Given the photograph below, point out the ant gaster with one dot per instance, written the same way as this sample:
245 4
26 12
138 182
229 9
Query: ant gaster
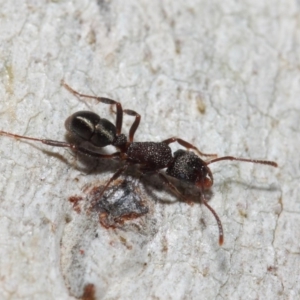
90 129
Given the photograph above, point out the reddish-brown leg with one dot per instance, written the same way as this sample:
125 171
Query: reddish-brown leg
173 188
135 124
113 178
119 118
186 145
74 147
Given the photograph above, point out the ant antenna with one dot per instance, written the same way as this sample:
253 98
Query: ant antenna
221 232
256 161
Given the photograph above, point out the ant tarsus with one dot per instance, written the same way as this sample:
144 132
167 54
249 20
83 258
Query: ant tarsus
88 128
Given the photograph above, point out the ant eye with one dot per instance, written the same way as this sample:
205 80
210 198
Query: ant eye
150 157
187 166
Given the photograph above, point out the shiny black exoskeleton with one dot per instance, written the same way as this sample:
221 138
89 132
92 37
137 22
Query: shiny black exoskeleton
88 126
184 165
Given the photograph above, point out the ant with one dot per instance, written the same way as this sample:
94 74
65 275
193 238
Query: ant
89 129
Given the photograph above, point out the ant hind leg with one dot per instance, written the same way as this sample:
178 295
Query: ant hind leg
54 143
119 118
135 124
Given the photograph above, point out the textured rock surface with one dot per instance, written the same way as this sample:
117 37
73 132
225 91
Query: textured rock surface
222 75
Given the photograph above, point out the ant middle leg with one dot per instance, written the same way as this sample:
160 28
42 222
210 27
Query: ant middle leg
186 145
119 117
113 178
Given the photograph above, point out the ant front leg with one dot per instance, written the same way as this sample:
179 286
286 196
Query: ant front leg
173 188
54 143
187 145
119 118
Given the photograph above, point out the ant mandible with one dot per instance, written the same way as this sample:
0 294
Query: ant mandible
152 157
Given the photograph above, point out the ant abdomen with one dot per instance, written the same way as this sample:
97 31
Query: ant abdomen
88 126
152 157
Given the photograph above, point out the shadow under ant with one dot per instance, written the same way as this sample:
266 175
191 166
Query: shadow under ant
92 133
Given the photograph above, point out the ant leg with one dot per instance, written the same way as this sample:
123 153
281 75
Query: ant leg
119 118
113 178
74 147
173 188
221 233
256 161
135 124
186 145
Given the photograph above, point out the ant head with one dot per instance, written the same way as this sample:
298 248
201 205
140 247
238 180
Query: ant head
189 167
88 126
205 182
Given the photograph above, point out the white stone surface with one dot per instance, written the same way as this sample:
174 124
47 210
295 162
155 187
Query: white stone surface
223 75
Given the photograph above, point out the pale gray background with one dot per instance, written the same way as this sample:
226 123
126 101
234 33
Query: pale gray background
224 75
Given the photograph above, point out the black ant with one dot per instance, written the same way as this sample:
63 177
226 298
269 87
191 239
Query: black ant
89 129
